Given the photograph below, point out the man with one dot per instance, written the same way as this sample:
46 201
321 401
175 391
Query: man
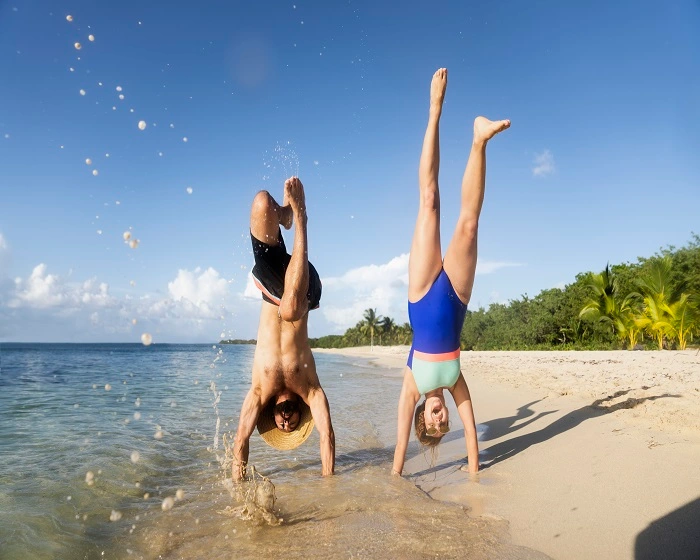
285 398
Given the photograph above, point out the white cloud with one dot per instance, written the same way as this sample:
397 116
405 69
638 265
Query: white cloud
489 267
199 293
42 290
3 242
383 287
45 306
251 290
544 164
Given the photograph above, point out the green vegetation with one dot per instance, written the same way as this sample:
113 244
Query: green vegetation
238 341
654 303
387 332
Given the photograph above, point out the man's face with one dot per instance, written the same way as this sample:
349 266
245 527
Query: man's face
287 415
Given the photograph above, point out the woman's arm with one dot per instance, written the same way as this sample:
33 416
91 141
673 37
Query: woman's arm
460 393
407 406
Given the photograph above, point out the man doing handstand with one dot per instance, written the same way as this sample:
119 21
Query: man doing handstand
285 399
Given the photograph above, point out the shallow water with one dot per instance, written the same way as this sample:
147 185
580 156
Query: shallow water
153 436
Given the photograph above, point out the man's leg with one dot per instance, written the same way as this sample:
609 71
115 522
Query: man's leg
425 261
461 254
294 303
266 216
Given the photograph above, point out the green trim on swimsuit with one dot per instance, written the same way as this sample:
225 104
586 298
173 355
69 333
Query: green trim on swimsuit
433 375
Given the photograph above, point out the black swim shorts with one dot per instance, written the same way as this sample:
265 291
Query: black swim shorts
271 262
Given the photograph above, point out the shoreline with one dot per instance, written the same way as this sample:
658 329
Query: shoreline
586 454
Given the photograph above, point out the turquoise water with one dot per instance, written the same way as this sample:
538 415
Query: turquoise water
96 438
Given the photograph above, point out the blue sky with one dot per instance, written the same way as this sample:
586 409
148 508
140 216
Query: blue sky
600 164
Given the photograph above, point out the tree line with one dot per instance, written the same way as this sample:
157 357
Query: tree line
653 303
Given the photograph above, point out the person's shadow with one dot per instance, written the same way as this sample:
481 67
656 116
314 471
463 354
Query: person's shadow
499 427
511 447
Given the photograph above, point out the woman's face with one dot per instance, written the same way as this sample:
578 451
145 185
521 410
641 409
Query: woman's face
436 416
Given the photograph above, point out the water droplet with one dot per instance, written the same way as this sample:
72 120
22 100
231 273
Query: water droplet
168 503
91 38
184 139
82 92
115 515
134 243
137 416
146 339
121 96
108 387
189 190
89 478
135 456
142 125
180 494
127 235
158 434
88 161
69 17
78 46
95 172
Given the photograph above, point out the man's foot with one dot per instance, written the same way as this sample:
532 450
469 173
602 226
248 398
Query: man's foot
485 129
294 195
437 90
285 212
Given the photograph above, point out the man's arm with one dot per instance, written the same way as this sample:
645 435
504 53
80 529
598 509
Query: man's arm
318 403
463 400
407 406
250 411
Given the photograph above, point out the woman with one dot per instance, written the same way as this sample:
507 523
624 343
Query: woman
439 290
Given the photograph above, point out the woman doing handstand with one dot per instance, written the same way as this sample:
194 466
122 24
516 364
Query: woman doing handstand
439 291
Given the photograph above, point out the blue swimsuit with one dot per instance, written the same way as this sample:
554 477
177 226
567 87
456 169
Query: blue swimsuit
437 320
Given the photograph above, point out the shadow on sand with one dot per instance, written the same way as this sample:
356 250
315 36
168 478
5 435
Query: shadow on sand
511 447
676 535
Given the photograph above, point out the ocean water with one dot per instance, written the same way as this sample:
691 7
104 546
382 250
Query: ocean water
117 451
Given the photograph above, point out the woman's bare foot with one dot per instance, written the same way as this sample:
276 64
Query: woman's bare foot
437 90
485 129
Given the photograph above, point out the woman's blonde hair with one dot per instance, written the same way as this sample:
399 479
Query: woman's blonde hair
419 424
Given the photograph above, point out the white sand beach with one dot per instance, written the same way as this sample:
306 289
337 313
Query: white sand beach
584 454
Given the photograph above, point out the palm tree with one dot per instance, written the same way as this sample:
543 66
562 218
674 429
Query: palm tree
684 319
654 285
602 305
404 333
371 323
388 326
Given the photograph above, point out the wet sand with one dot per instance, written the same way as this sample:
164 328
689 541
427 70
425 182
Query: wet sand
584 454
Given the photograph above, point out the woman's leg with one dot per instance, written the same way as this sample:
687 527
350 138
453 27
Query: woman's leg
425 261
460 257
